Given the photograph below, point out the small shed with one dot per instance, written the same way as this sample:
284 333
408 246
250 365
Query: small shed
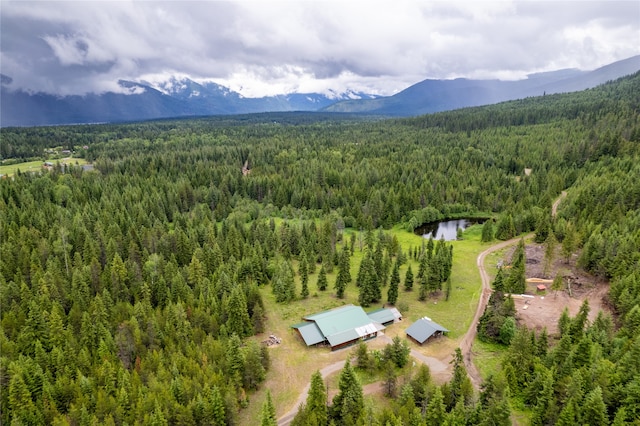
541 287
424 329
385 316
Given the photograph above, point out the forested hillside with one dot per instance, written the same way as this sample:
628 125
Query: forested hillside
127 291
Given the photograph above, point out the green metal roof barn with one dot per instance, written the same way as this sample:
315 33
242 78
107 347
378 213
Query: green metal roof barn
338 327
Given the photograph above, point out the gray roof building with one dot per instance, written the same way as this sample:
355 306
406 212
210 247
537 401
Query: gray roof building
424 329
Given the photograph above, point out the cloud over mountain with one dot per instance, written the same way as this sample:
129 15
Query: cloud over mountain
267 48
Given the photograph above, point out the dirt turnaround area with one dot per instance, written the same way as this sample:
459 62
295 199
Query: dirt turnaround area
544 308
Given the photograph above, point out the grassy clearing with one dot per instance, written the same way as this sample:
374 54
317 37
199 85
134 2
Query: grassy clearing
520 415
36 166
30 166
293 363
487 357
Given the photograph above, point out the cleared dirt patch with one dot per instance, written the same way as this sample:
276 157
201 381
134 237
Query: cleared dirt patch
544 308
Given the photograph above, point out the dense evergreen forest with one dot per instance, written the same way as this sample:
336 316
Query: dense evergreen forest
128 291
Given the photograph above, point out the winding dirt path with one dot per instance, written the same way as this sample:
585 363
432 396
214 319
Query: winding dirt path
287 418
470 335
556 203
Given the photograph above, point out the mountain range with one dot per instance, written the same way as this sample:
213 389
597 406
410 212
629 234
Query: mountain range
181 97
431 96
143 101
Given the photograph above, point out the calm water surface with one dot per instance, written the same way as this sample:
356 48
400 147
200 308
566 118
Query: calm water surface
446 228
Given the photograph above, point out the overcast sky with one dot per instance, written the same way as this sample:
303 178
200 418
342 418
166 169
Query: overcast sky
266 47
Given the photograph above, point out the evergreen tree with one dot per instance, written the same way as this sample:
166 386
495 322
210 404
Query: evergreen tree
345 265
238 320
516 281
284 283
543 228
234 359
304 292
254 371
460 385
542 344
392 293
594 410
429 250
557 285
344 276
316 406
348 404
507 330
458 415
304 275
487 231
311 256
564 322
580 321
435 412
567 416
569 243
370 286
399 352
362 270
423 268
215 410
20 401
549 250
498 283
258 319
157 417
493 406
377 257
542 412
390 383
364 361
386 267
435 274
447 291
268 412
424 288
408 279
322 279
505 228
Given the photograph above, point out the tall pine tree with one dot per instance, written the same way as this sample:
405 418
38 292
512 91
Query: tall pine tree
314 412
322 279
348 404
408 279
394 283
268 412
516 282
303 270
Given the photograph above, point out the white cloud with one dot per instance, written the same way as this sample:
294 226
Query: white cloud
270 47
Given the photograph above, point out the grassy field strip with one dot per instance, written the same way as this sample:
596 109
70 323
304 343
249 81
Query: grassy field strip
34 166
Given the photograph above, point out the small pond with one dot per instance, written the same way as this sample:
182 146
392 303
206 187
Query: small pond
446 228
